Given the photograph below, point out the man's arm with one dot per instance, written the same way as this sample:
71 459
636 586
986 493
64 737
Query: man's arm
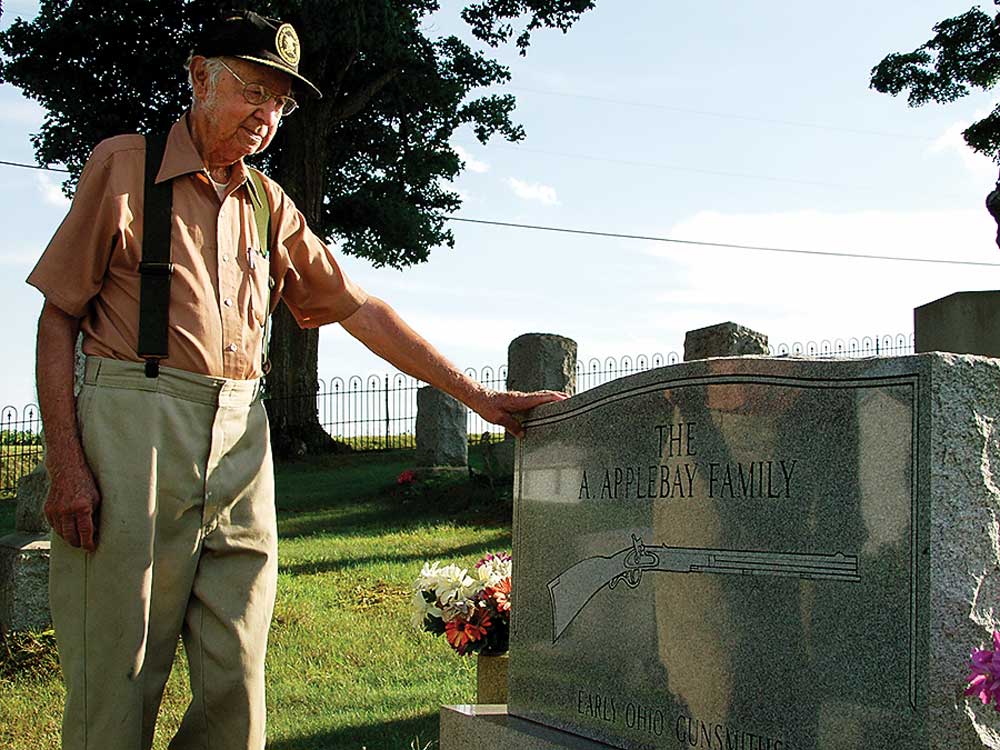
73 498
376 325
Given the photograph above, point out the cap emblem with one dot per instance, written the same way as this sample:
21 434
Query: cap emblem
287 43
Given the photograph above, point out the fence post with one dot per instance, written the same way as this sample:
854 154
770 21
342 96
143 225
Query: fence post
387 410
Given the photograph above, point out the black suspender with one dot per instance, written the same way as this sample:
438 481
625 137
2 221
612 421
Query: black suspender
156 269
262 217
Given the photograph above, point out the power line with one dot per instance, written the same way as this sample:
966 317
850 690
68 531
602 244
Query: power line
725 115
616 235
826 253
651 165
32 166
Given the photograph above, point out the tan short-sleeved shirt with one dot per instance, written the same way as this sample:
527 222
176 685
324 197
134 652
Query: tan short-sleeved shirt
218 292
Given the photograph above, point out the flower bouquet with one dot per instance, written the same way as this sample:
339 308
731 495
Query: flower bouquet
472 611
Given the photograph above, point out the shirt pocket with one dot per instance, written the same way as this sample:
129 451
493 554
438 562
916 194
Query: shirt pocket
260 286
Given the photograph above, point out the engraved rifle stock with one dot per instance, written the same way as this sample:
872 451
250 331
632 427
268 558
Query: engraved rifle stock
570 591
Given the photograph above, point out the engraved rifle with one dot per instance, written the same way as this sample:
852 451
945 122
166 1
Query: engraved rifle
571 590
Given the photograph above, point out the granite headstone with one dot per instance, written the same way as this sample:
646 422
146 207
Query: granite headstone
535 362
24 559
963 322
723 340
441 430
32 489
759 554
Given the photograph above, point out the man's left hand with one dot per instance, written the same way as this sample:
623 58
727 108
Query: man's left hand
499 407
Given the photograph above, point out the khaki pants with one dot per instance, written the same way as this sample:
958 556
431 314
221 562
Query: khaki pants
187 547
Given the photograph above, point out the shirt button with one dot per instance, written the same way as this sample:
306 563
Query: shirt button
225 258
231 348
228 302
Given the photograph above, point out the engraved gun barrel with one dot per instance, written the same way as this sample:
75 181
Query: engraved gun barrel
837 567
571 590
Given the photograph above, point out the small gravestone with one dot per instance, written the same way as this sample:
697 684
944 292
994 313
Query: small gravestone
755 553
442 430
536 362
24 559
723 340
32 489
541 361
963 322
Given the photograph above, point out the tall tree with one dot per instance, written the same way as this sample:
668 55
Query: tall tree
963 54
368 164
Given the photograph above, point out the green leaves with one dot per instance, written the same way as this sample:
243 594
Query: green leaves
964 53
491 20
367 164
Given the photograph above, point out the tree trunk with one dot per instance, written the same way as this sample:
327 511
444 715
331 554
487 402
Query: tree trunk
292 382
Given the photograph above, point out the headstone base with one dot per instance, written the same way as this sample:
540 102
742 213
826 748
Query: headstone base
489 725
24 582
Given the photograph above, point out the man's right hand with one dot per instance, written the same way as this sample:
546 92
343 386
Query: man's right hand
72 506
73 498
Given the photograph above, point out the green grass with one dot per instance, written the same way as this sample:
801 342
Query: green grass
345 668
15 462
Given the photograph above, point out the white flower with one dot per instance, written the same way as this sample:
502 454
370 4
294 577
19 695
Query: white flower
420 608
450 587
494 569
454 585
428 578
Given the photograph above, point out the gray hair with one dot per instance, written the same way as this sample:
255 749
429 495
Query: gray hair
214 68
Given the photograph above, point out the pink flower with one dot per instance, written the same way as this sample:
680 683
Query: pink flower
406 477
493 557
984 681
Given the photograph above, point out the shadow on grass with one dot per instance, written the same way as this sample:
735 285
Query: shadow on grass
7 509
501 539
466 504
393 735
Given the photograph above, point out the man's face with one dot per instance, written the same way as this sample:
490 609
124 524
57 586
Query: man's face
232 127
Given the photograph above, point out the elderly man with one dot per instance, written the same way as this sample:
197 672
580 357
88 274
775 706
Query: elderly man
162 496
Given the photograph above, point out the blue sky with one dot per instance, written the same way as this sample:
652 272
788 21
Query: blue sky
748 123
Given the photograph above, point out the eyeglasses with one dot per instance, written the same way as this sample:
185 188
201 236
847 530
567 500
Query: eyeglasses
257 94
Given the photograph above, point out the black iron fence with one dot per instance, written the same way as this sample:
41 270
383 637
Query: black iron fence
868 346
378 412
20 445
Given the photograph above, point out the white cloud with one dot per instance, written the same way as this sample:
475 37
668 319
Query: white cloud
21 112
531 191
472 164
798 297
951 141
52 191
23 260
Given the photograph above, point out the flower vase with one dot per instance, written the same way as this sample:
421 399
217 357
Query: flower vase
491 678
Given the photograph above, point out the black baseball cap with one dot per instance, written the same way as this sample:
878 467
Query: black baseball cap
251 36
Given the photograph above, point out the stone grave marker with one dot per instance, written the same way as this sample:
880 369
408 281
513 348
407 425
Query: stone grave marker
756 554
441 430
723 340
535 362
24 559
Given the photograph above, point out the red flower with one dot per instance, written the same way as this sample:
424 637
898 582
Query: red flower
406 477
462 634
500 594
